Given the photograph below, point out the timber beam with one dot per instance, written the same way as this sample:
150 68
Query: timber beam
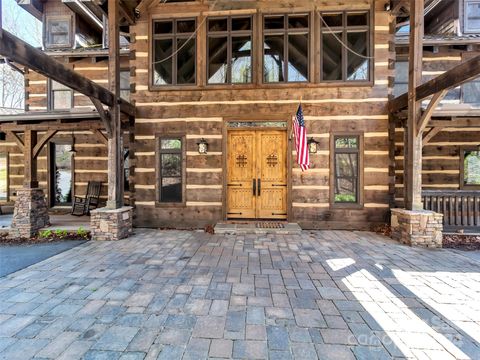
427 114
40 144
11 128
452 78
22 53
430 134
17 139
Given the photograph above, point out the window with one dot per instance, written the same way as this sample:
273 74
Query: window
171 172
61 96
58 32
61 174
285 48
125 84
126 169
3 177
472 15
346 169
337 62
174 52
230 50
401 78
471 92
470 168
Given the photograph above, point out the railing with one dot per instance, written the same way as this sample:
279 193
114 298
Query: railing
460 208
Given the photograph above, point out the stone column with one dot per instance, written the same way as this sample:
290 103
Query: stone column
30 213
108 224
421 228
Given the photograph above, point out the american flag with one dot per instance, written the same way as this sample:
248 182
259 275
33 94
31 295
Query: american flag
300 132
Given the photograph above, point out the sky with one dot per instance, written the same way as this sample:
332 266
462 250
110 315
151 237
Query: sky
20 23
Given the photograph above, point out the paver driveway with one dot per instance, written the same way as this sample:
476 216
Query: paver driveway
174 294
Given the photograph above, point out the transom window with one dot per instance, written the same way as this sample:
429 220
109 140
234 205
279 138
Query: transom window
171 170
58 32
286 48
472 15
61 96
471 168
229 50
174 52
346 174
345 46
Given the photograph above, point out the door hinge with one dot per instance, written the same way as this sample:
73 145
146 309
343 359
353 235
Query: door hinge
285 185
278 214
234 185
235 213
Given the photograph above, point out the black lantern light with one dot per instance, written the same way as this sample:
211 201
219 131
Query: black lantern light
202 146
3 136
312 146
72 149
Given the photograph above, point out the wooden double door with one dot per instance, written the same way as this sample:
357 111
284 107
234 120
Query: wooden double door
257 174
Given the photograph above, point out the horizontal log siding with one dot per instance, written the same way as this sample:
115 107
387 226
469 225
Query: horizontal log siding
441 156
36 85
202 111
90 163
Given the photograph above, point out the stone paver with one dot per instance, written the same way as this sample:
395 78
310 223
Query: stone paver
190 295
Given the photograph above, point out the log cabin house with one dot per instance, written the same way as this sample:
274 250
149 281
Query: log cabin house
204 131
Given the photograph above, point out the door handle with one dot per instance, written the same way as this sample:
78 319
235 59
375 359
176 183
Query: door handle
259 187
234 184
254 182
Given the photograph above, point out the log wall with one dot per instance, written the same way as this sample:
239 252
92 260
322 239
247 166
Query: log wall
441 155
202 111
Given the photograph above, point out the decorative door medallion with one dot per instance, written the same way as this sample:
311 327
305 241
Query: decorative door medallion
257 174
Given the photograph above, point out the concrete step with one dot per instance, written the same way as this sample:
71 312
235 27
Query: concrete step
257 227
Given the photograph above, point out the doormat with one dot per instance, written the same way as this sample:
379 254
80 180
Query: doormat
270 225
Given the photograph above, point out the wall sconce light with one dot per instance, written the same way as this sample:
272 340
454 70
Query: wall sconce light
3 136
73 151
202 146
312 146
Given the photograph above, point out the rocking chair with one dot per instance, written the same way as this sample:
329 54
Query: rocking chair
83 204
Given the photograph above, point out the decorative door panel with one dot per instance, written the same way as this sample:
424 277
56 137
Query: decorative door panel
272 170
241 169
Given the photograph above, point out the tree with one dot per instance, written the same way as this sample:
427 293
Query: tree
23 25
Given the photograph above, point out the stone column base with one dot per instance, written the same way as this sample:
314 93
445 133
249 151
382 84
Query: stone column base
107 224
421 228
30 213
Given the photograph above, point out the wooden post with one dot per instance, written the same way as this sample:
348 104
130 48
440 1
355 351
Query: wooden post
30 161
115 151
413 147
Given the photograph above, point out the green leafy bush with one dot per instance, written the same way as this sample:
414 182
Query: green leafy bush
45 234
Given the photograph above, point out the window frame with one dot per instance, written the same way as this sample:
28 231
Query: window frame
51 97
174 36
230 34
285 32
7 166
158 168
462 184
463 91
70 35
359 204
466 28
369 28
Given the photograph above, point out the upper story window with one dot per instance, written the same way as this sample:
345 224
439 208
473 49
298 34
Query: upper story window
174 52
401 78
345 46
472 16
230 50
61 96
471 92
125 84
58 32
286 48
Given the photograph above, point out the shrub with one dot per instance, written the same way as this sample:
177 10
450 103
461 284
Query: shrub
61 233
45 234
82 232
